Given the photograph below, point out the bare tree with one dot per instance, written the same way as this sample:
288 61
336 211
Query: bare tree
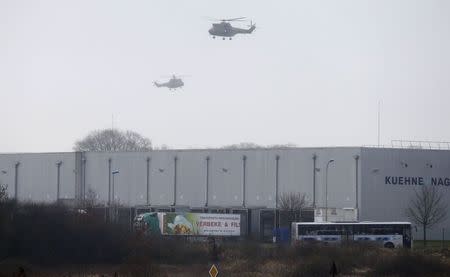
3 192
282 146
243 145
293 201
162 147
252 145
91 198
427 208
113 140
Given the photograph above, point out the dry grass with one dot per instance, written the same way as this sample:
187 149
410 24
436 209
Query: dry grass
61 245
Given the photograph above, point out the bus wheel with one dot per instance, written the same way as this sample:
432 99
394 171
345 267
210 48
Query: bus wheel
389 245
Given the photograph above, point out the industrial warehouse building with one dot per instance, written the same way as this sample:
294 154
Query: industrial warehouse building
377 182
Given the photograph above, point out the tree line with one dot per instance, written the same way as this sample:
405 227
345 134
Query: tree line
113 140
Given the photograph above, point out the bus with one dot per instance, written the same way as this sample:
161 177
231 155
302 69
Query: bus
386 234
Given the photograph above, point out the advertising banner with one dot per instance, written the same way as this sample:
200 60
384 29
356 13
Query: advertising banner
201 224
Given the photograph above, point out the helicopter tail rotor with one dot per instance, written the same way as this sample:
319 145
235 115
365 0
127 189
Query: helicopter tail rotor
251 27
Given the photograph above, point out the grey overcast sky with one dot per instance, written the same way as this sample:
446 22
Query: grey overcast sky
311 74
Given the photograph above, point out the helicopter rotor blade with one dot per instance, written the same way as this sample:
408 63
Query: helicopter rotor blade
175 75
234 19
226 19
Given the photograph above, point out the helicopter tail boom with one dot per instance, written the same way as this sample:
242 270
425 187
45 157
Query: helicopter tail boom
246 31
157 84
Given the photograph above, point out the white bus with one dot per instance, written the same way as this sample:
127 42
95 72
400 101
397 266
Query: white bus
387 234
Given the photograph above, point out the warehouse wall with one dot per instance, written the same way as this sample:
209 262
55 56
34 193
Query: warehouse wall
378 200
37 175
81 172
385 201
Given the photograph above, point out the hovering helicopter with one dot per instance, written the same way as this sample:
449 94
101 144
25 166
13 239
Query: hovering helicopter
224 29
174 83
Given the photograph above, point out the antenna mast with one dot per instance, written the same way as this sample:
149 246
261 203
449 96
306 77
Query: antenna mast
379 112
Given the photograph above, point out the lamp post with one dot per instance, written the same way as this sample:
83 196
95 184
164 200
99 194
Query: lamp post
207 181
113 174
277 168
326 189
356 157
58 179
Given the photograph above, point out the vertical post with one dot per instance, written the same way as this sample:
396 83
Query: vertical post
148 182
244 168
84 177
175 181
314 180
357 186
16 181
443 238
58 180
379 124
109 181
112 189
207 182
326 190
114 206
275 219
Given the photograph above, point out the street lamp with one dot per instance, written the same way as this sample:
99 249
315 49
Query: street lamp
113 174
326 189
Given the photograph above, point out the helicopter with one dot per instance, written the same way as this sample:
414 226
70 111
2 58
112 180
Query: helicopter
225 29
174 83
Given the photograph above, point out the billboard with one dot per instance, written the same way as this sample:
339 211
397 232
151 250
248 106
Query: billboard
200 224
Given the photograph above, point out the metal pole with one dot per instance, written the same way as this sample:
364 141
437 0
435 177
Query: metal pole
16 181
326 190
84 178
148 181
314 180
244 165
58 168
207 181
379 113
113 194
109 181
277 159
356 187
115 210
175 181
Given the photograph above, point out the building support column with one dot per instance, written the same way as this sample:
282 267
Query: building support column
58 180
314 157
148 182
275 217
16 181
357 186
207 182
83 190
175 160
109 181
244 179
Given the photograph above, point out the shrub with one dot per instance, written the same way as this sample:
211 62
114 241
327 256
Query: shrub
51 234
406 263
